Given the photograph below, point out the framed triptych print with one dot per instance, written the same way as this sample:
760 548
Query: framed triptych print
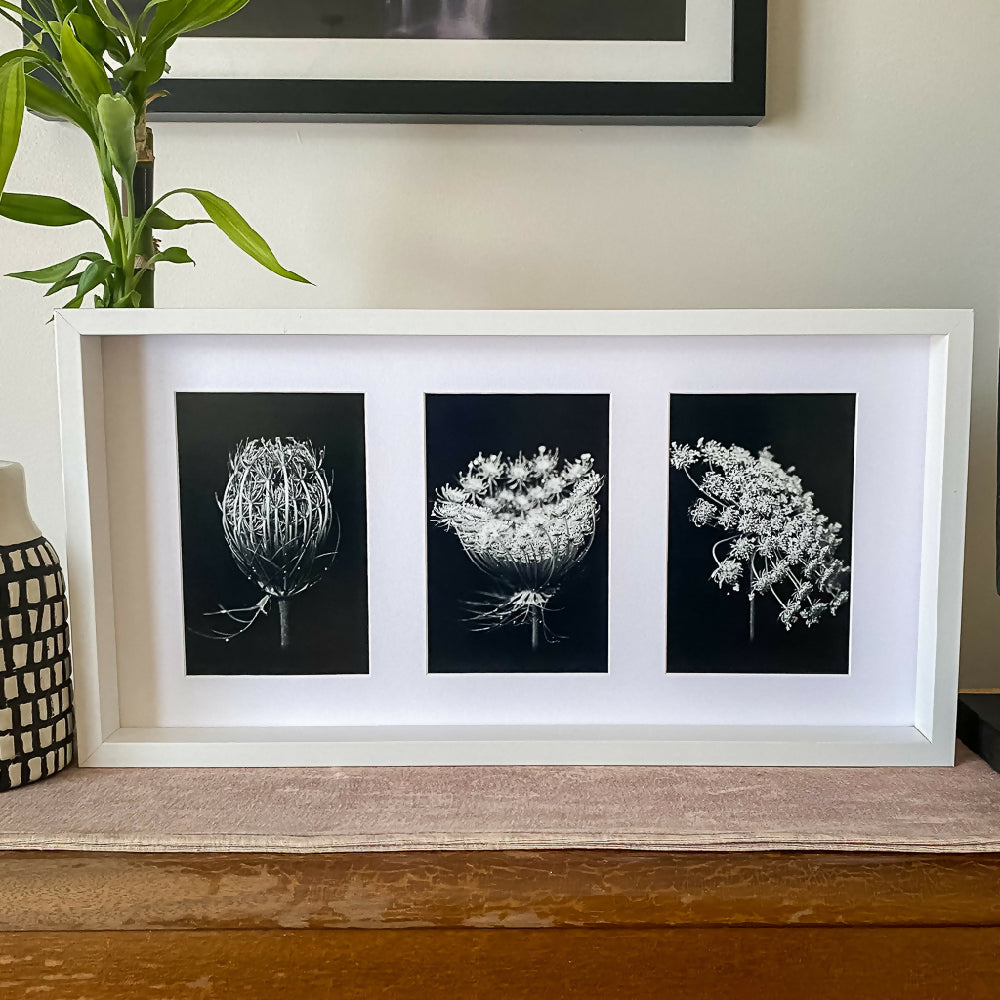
422 537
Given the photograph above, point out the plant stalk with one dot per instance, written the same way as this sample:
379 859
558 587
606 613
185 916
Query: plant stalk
141 201
285 623
536 628
753 616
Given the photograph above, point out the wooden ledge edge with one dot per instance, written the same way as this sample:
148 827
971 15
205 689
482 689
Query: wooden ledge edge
76 891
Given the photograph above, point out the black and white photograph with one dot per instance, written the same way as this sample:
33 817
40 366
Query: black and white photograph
668 62
760 513
584 20
273 532
517 533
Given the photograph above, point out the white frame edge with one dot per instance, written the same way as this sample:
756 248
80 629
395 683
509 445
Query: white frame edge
103 743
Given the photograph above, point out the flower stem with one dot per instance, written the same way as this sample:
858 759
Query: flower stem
753 615
536 627
284 620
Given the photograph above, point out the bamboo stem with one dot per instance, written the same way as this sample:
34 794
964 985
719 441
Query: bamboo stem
142 200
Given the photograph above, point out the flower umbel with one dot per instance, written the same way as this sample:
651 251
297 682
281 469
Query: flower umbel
526 523
774 539
279 523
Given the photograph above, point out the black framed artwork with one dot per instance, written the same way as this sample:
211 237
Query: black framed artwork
273 504
517 533
588 61
760 532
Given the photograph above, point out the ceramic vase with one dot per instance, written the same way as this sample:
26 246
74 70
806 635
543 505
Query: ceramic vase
36 698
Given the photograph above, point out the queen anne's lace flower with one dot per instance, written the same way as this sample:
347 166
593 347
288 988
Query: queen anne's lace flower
703 512
728 571
490 468
544 462
525 523
574 471
772 531
473 482
683 456
452 494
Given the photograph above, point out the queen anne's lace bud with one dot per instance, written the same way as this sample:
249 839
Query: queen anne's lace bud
280 525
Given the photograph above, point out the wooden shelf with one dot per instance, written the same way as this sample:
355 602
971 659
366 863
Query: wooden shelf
511 924
776 883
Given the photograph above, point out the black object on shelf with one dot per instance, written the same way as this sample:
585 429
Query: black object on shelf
979 725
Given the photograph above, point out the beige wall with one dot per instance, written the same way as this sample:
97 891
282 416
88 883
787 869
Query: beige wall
873 182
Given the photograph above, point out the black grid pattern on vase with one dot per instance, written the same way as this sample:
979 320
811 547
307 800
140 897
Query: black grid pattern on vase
36 703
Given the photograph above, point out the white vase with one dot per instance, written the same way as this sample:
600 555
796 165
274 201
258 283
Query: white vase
36 698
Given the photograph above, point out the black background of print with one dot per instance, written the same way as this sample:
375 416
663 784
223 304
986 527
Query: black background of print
708 628
612 20
458 428
329 622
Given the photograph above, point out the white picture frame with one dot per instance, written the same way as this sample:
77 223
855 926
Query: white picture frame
913 365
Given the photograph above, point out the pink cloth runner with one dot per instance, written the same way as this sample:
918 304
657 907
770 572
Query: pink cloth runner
492 808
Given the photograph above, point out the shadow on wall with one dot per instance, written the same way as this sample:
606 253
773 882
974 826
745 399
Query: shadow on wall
784 56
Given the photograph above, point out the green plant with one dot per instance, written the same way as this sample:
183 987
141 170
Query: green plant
102 67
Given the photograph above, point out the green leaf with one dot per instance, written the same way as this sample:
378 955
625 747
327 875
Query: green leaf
85 71
21 14
108 19
135 65
239 231
42 210
116 31
69 280
180 17
55 272
41 98
206 12
117 48
95 275
90 31
158 219
52 103
129 301
154 58
166 12
22 56
172 255
11 115
118 124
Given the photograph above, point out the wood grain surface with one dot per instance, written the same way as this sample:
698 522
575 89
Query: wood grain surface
688 963
63 891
